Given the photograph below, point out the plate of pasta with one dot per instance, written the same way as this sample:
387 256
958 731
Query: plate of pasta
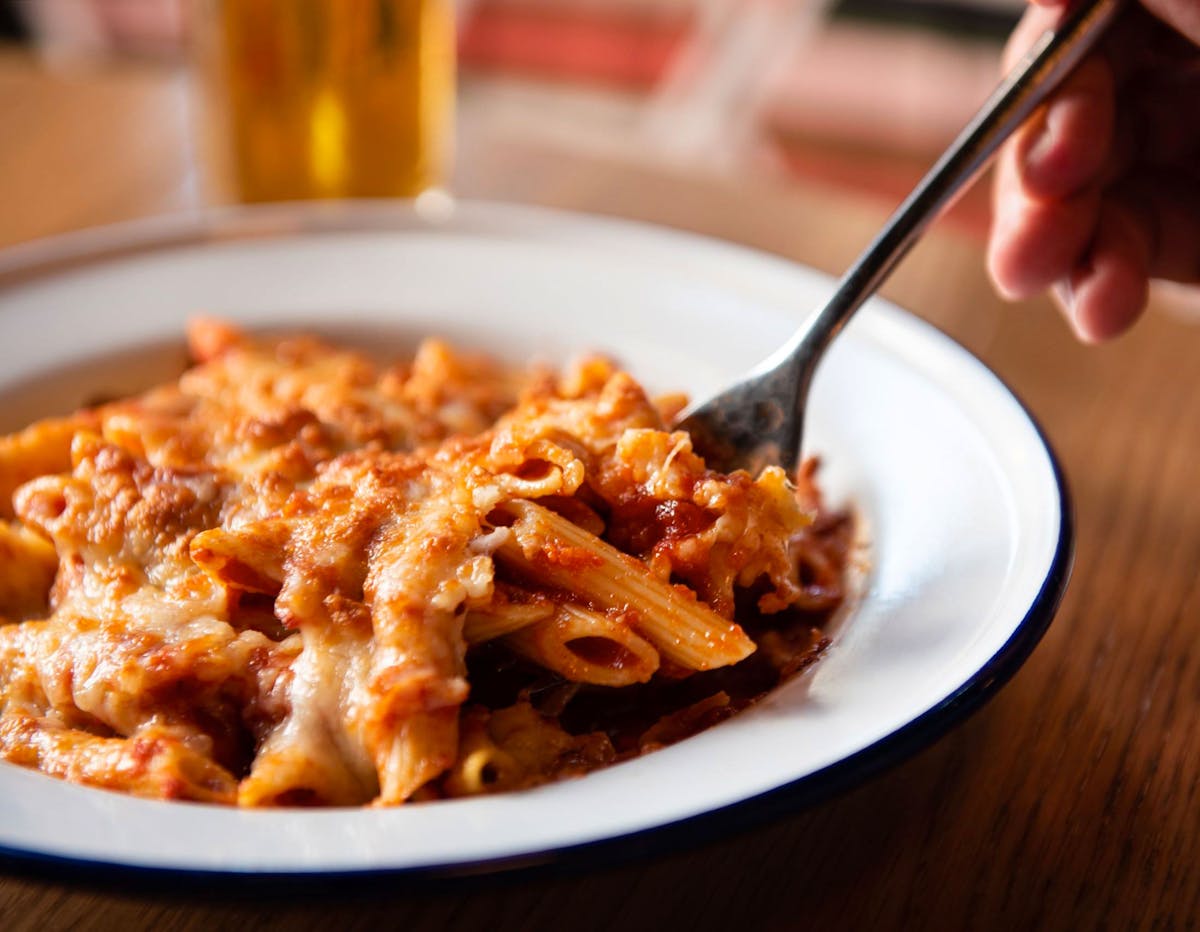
352 540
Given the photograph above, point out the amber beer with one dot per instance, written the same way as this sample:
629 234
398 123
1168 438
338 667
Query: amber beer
328 98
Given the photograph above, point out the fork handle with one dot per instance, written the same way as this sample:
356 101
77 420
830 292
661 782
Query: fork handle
1037 74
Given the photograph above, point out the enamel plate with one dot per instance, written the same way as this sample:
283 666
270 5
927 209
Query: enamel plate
962 507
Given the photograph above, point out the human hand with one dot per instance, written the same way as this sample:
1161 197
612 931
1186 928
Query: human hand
1100 192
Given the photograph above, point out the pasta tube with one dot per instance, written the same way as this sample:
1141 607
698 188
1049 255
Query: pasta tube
550 549
587 647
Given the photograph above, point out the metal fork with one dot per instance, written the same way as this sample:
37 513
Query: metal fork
760 419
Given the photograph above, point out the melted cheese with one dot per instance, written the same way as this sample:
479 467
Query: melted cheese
261 572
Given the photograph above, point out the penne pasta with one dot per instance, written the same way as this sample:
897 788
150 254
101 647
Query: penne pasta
152 763
500 618
587 647
481 766
292 578
551 550
28 564
41 449
251 559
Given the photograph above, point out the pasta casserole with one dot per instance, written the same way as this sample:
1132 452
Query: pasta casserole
294 577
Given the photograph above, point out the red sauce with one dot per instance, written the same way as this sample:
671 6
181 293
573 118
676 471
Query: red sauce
638 522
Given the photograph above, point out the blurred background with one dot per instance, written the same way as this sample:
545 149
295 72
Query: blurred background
854 94
792 126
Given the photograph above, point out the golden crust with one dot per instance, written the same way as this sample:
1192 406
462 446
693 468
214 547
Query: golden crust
261 572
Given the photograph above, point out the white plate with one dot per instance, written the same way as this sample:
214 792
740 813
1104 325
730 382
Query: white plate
968 523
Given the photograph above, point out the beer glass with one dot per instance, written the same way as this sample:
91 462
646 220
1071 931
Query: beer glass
325 98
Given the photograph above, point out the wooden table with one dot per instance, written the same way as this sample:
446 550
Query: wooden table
1069 802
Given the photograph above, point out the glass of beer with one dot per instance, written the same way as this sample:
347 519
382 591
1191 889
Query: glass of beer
326 98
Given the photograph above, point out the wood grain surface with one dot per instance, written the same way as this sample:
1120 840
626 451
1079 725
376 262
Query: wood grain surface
1069 802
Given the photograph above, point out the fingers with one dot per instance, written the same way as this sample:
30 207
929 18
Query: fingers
1105 294
1065 148
1098 250
1146 230
1100 192
1102 124
1066 145
1035 242
1035 21
1045 204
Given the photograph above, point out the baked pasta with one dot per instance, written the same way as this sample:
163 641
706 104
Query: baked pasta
295 578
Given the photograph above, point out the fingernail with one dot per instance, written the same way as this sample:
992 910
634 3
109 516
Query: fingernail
1065 294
